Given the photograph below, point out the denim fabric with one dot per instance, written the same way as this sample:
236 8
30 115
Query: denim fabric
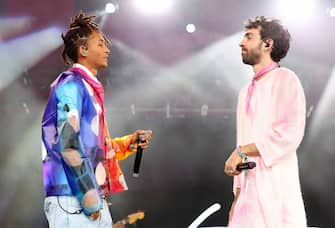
58 218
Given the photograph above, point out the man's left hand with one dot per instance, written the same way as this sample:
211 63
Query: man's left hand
144 136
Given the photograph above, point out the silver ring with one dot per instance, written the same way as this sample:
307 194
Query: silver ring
231 171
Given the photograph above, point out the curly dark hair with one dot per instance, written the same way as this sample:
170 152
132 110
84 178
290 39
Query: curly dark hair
80 28
272 29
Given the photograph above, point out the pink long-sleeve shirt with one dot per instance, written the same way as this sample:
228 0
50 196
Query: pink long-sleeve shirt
270 194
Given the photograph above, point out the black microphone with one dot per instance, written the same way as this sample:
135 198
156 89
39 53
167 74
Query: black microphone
138 157
246 166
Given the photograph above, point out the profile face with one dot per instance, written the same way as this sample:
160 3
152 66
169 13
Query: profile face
251 46
97 50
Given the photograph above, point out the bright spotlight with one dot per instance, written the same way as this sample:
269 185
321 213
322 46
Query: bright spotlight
301 10
110 8
10 26
190 28
41 44
153 6
332 12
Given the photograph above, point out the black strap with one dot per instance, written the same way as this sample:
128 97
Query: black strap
69 212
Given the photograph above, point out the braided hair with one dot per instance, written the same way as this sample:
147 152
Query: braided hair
80 28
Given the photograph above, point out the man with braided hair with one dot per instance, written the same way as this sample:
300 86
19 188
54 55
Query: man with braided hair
80 160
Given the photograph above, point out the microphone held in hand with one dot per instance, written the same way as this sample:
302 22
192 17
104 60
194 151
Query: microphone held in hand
246 166
138 157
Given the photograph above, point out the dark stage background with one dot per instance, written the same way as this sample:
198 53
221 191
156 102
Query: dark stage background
181 85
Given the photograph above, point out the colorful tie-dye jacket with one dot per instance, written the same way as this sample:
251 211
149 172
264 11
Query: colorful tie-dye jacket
72 152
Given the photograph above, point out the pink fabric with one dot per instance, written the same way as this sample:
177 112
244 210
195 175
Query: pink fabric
270 193
99 96
257 76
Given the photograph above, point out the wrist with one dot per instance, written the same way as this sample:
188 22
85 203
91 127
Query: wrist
94 215
242 155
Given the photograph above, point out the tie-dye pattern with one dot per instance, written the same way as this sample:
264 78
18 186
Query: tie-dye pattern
74 143
270 194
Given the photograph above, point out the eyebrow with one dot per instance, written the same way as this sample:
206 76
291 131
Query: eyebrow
248 34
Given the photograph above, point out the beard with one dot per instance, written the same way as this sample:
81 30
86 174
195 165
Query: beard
252 56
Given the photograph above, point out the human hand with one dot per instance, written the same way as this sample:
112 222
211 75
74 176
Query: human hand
141 138
94 215
118 225
231 164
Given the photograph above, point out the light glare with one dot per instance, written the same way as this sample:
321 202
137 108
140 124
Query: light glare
110 8
190 28
332 12
153 6
297 11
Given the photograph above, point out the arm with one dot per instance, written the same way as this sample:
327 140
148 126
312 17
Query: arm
122 147
286 129
127 145
288 120
248 150
235 159
77 167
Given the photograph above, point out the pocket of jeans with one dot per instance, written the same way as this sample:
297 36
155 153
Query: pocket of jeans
50 209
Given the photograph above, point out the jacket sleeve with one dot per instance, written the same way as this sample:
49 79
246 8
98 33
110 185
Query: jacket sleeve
287 122
121 145
77 166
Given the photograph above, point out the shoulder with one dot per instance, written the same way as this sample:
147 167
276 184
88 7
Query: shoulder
286 83
68 83
285 75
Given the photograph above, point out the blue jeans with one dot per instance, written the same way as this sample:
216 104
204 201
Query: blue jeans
57 217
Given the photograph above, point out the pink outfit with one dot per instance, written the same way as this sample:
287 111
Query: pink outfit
270 194
257 76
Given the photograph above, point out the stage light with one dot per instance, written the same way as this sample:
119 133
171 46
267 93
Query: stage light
10 26
110 8
168 111
298 10
204 110
323 110
153 6
332 12
190 28
133 110
27 52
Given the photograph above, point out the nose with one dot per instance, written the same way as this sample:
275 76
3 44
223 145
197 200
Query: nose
241 44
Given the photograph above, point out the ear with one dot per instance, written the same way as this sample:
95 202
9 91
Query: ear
83 50
268 43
